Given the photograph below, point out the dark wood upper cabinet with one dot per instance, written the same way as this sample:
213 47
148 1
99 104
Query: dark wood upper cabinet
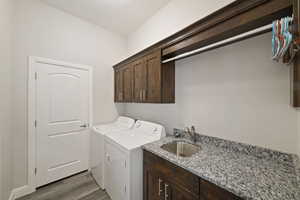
140 80
154 78
234 19
128 83
119 86
145 80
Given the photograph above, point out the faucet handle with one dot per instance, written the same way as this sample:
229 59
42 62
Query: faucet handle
178 132
193 129
187 130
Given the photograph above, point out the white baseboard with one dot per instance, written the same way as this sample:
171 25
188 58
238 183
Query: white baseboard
20 192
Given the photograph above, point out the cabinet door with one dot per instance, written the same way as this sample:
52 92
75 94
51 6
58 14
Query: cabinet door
118 86
140 80
153 185
128 83
156 188
210 191
174 193
154 79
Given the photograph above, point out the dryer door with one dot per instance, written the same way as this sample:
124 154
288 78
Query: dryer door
116 173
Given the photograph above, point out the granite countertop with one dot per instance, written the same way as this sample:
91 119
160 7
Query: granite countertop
250 172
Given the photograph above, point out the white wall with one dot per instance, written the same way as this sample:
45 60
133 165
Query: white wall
170 19
41 30
236 92
5 105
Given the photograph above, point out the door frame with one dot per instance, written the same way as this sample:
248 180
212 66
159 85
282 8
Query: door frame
31 110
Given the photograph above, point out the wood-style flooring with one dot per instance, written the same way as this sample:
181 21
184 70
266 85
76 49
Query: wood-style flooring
78 187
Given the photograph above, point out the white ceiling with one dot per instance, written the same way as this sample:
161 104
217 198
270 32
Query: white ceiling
121 16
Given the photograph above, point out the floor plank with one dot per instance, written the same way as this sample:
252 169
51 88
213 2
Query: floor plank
98 195
78 187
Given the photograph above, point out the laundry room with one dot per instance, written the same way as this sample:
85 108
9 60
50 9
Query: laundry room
150 100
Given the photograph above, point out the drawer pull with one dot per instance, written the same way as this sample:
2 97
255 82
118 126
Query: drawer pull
166 192
159 187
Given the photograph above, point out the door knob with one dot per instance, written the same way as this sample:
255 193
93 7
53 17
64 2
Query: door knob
84 126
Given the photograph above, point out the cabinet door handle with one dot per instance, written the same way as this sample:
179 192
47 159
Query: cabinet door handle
159 187
166 192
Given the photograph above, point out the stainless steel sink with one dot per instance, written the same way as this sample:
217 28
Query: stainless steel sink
181 148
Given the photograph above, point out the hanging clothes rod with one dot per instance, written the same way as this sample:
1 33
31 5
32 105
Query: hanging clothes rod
248 34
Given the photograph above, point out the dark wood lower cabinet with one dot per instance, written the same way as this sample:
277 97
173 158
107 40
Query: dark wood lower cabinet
178 194
155 187
166 181
159 189
210 191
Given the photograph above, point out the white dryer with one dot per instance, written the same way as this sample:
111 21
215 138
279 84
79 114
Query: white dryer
97 145
124 159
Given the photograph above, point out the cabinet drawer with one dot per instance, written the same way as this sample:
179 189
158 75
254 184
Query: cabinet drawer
172 173
210 191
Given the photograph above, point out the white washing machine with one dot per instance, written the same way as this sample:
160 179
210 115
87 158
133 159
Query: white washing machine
124 159
97 145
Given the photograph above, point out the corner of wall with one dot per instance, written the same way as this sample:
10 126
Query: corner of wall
6 19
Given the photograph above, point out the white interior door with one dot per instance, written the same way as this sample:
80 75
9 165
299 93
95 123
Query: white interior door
62 113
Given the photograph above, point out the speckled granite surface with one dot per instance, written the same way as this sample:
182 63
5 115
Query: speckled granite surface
251 173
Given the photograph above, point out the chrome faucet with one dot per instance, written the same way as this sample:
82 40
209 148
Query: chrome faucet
192 133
